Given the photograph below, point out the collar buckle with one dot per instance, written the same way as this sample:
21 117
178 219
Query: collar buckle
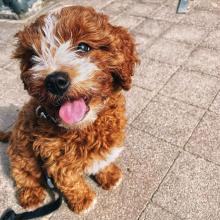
41 113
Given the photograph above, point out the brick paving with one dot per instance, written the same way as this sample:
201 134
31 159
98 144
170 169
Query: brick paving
172 157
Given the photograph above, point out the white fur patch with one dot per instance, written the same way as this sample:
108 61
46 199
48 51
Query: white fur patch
91 207
55 54
101 164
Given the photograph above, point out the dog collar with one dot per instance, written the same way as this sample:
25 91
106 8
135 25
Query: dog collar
42 113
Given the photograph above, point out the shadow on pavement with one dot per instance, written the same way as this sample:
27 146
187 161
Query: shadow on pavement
8 115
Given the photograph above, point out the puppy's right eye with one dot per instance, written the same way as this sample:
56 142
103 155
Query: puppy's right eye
83 47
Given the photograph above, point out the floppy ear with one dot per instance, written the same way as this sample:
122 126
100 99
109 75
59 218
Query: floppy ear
126 57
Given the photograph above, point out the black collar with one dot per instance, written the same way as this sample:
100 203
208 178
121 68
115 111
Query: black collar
42 113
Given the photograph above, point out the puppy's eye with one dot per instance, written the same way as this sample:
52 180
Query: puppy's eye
83 47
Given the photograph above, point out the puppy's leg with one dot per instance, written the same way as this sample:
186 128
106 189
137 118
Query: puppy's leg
109 177
27 175
79 196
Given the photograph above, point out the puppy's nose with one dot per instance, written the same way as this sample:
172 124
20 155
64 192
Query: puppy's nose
57 83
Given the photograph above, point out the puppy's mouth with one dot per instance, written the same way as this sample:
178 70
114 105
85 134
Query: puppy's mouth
74 111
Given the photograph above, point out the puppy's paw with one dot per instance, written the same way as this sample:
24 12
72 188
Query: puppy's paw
31 197
110 177
84 204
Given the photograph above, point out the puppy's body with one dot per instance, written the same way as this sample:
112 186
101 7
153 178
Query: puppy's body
68 154
86 102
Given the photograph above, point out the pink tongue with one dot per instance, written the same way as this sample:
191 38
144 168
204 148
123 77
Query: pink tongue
72 112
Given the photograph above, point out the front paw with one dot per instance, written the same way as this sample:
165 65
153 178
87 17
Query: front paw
82 204
31 197
110 177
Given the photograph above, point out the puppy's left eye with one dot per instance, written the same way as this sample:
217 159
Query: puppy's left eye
83 47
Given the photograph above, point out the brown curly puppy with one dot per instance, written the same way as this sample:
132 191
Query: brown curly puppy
74 65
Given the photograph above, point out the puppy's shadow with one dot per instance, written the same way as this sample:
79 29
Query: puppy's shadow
8 115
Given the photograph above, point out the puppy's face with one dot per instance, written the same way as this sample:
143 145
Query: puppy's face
72 60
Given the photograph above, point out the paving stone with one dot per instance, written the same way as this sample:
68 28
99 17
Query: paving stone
12 95
8 30
211 5
153 75
215 106
143 42
167 13
8 115
213 40
153 1
144 163
154 212
185 33
97 4
169 119
192 87
191 189
7 198
152 28
136 100
174 3
169 51
203 19
117 6
204 60
205 140
141 9
5 57
11 89
127 21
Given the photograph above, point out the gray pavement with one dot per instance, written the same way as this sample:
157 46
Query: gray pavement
171 163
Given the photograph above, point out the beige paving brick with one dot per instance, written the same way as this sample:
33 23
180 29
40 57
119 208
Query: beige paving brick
145 161
169 51
143 42
192 87
161 2
211 5
205 140
185 33
203 19
154 212
5 57
127 21
204 60
168 119
191 189
141 9
153 75
8 30
11 89
117 6
12 95
167 13
97 4
136 100
215 106
212 40
152 28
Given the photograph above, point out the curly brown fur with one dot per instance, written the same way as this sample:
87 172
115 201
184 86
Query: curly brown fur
70 151
5 136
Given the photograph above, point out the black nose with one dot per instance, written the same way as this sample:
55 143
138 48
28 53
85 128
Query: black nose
57 83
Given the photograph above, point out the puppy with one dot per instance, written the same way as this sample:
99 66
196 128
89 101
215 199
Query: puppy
74 64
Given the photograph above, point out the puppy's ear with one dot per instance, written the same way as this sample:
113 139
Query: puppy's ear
126 57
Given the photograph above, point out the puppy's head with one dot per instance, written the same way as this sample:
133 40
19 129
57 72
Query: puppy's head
72 60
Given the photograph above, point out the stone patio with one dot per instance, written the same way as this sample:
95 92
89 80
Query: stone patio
171 163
